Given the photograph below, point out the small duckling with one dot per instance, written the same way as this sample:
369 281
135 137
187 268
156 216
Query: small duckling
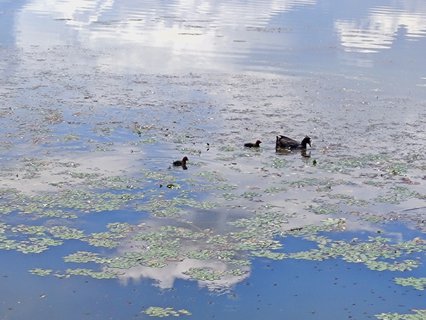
181 163
253 145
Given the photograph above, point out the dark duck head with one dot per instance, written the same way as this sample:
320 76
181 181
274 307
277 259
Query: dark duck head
284 142
253 145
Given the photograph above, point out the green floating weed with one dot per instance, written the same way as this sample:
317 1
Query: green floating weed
160 312
269 255
399 194
372 253
86 257
417 315
203 274
65 233
347 164
324 208
349 200
41 272
90 273
417 283
279 163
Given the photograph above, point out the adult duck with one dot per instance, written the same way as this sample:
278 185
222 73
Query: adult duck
253 145
284 142
181 163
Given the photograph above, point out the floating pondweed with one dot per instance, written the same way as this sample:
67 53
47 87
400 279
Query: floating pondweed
399 194
416 315
41 272
417 283
161 312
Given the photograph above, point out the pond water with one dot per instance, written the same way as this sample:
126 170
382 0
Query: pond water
98 98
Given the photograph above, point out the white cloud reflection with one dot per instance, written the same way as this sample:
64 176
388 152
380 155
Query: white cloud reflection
166 276
168 35
380 28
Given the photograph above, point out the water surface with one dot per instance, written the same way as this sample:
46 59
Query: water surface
98 98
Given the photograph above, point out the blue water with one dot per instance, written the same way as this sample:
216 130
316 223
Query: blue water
349 74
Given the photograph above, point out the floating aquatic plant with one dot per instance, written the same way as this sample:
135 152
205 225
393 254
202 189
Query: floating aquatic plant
86 257
416 315
41 272
161 312
325 208
373 253
399 194
417 283
203 274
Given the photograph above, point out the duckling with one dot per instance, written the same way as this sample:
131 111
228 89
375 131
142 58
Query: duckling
284 142
253 145
181 163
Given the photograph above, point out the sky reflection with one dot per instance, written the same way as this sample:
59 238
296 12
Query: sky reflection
306 35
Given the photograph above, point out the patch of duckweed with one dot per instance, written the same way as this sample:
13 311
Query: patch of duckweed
212 176
374 183
68 203
30 230
269 255
162 207
349 200
41 272
89 273
411 246
104 239
250 195
85 175
275 189
346 165
399 194
404 265
161 312
86 257
417 283
65 233
158 175
397 169
309 182
279 163
35 244
373 218
56 214
201 254
203 274
325 208
26 239
71 137
229 196
271 223
374 253
416 315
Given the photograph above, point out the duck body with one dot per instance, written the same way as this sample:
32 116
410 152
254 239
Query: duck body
284 142
253 145
180 163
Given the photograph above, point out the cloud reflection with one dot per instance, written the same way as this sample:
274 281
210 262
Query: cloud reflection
172 35
166 276
379 30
